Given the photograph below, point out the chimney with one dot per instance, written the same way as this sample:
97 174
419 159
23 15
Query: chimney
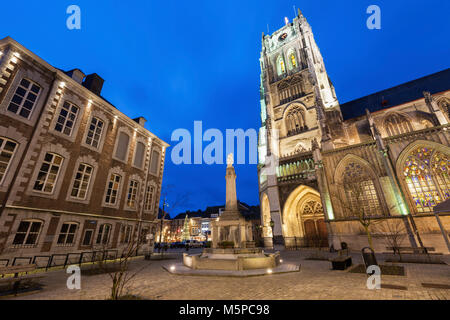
76 74
94 83
140 120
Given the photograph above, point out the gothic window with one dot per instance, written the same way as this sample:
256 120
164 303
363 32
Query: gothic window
397 124
361 195
66 119
281 67
293 60
48 173
295 121
25 98
7 150
312 208
445 106
426 173
290 90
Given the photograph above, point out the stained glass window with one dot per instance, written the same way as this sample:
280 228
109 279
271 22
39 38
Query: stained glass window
359 188
293 61
281 68
426 174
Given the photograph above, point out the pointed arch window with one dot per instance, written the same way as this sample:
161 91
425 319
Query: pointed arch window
397 124
426 173
360 192
281 67
293 60
445 106
295 121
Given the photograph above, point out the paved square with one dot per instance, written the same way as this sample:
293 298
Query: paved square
314 281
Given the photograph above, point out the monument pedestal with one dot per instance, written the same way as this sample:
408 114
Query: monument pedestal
237 230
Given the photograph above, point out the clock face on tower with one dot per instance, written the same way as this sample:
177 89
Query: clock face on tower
282 37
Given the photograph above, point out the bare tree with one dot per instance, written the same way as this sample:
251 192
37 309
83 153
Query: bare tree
119 270
354 200
394 232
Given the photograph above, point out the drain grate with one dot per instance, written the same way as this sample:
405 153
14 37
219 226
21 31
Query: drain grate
393 286
435 285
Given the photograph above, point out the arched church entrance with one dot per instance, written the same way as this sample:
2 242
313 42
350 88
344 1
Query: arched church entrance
303 219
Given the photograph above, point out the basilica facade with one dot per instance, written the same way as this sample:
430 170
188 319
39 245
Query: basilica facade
353 172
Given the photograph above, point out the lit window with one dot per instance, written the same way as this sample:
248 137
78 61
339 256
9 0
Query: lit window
139 155
132 193
359 188
293 60
281 68
67 234
122 146
48 174
25 98
27 233
113 189
148 205
103 234
7 149
82 180
95 132
427 177
67 117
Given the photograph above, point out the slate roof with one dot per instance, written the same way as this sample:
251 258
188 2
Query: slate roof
406 92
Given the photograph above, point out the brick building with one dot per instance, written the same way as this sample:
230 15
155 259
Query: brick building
76 174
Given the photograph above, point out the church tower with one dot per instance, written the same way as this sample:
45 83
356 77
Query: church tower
299 109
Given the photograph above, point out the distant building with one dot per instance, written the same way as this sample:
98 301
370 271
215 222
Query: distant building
200 221
76 174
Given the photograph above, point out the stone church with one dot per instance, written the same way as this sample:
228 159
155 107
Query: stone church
329 171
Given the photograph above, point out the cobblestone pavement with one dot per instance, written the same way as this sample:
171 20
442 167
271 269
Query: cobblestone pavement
314 281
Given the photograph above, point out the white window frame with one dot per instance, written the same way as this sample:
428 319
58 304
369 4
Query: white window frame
11 159
132 194
115 203
27 92
66 118
83 174
60 167
95 132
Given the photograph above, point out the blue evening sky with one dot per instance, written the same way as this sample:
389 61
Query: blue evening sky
174 62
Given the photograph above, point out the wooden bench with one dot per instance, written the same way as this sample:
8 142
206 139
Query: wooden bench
400 250
19 276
